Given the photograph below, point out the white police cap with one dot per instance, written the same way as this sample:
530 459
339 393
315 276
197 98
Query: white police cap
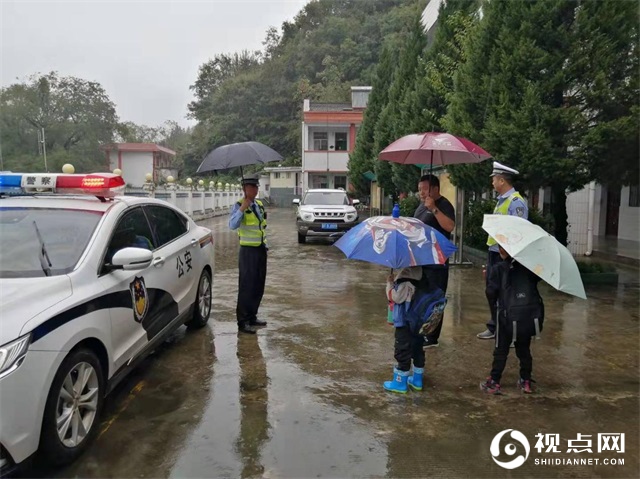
500 169
251 180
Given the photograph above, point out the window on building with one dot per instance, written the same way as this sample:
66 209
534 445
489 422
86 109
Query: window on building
320 140
546 205
340 182
319 181
341 141
634 195
276 176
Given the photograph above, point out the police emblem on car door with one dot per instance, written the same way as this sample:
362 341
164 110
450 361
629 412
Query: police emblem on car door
139 298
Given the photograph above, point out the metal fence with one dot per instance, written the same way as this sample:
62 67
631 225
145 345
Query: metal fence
196 204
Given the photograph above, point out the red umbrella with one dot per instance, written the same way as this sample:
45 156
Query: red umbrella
433 148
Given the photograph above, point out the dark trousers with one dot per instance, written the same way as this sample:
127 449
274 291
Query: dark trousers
253 274
408 346
501 351
437 276
492 259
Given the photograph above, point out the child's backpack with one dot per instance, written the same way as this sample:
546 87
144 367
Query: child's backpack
523 306
426 310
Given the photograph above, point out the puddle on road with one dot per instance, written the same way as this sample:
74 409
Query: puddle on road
304 397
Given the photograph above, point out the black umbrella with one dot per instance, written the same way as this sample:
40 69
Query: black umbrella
237 155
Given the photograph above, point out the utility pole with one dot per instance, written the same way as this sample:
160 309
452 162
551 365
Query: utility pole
41 140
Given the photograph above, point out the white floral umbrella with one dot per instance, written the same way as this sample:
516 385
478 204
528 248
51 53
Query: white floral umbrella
536 250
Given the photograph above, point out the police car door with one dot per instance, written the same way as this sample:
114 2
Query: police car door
129 290
175 264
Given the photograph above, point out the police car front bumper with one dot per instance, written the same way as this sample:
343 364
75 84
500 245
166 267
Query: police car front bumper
23 394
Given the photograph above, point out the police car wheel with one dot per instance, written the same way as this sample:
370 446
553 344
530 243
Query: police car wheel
202 307
301 238
72 412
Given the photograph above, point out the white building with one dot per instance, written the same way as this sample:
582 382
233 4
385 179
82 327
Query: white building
430 16
328 136
285 184
264 186
136 160
596 213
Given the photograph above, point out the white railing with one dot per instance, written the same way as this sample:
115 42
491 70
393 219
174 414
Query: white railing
196 204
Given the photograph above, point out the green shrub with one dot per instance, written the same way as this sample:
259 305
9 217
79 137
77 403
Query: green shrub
476 237
408 205
545 222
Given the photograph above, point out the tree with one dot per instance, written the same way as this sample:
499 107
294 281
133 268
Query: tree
551 88
330 45
76 115
213 74
523 121
390 126
603 67
363 158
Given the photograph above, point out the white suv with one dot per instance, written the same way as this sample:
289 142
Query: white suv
89 286
325 213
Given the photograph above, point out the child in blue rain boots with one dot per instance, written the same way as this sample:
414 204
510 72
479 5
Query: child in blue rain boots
401 286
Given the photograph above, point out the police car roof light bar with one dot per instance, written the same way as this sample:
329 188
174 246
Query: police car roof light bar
102 185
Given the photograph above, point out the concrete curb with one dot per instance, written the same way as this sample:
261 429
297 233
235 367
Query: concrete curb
474 255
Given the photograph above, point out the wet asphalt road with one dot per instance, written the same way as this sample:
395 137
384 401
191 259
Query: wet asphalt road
304 397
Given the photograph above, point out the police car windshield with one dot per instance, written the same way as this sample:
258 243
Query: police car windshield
325 198
66 234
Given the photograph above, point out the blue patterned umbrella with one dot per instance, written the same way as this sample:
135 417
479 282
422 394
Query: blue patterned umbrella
396 242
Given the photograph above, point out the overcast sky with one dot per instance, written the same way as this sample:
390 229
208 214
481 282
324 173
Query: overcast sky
144 53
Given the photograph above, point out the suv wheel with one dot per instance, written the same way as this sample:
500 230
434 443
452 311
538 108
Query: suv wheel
302 238
73 407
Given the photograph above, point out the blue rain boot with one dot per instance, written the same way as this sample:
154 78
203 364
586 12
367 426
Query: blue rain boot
415 381
399 383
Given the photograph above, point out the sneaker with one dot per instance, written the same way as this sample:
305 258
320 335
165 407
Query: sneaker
486 334
429 343
526 385
490 387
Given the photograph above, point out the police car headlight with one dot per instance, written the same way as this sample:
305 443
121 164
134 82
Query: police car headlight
349 217
307 217
12 354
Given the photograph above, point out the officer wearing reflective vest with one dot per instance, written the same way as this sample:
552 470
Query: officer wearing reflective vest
510 202
249 218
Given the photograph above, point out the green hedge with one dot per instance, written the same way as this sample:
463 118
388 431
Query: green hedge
476 237
408 205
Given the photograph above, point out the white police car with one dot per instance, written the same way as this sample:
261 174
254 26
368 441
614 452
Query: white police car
89 284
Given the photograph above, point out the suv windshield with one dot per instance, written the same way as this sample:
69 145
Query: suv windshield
325 198
64 234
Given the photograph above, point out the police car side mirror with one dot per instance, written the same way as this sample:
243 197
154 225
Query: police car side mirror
132 259
296 201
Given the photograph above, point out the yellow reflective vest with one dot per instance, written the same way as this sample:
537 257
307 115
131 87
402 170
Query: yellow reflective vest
503 209
252 229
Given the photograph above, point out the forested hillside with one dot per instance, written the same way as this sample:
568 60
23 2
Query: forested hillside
328 47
